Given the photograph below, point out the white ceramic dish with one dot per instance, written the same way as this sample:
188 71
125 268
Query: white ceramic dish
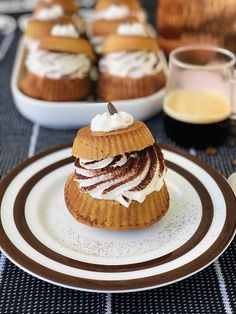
40 236
70 115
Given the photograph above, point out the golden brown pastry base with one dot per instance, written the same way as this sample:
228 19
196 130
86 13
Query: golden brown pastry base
117 88
110 214
115 43
67 44
99 145
63 89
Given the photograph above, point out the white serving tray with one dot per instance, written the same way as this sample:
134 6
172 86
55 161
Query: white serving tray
17 6
70 115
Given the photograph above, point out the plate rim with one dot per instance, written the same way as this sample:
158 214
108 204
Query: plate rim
133 284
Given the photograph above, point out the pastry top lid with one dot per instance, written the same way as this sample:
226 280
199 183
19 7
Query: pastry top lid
111 134
68 6
38 28
68 45
131 4
106 27
116 43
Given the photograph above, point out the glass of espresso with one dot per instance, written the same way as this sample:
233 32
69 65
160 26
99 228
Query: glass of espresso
198 103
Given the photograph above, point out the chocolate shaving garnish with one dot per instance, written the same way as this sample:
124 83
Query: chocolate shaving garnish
111 108
155 65
211 151
125 198
90 162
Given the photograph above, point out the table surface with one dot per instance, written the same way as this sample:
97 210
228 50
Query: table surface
213 290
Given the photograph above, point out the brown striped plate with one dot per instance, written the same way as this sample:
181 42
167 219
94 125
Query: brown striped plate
38 234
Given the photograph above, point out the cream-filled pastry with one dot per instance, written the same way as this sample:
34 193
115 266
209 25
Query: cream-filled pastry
109 15
59 70
130 66
120 183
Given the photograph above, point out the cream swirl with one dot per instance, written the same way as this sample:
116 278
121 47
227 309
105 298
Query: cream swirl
55 65
31 43
130 64
123 178
50 13
107 123
113 12
97 43
66 30
132 29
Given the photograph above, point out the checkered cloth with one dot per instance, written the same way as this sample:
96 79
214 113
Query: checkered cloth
213 290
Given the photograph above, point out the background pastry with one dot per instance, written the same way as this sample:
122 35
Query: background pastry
130 66
69 7
119 175
109 15
45 16
60 69
182 22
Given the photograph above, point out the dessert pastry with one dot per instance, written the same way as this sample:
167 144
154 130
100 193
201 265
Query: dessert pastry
59 70
130 66
69 7
118 181
44 17
46 14
109 15
37 29
180 22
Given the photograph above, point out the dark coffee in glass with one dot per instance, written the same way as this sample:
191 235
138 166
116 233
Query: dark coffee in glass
199 95
196 118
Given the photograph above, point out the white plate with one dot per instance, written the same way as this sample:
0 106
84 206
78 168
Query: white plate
70 115
40 236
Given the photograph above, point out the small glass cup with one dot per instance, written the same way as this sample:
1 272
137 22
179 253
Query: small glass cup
199 103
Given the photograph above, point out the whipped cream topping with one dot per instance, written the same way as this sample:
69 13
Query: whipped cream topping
55 65
97 43
130 64
51 13
64 30
125 178
106 122
132 29
113 12
31 43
